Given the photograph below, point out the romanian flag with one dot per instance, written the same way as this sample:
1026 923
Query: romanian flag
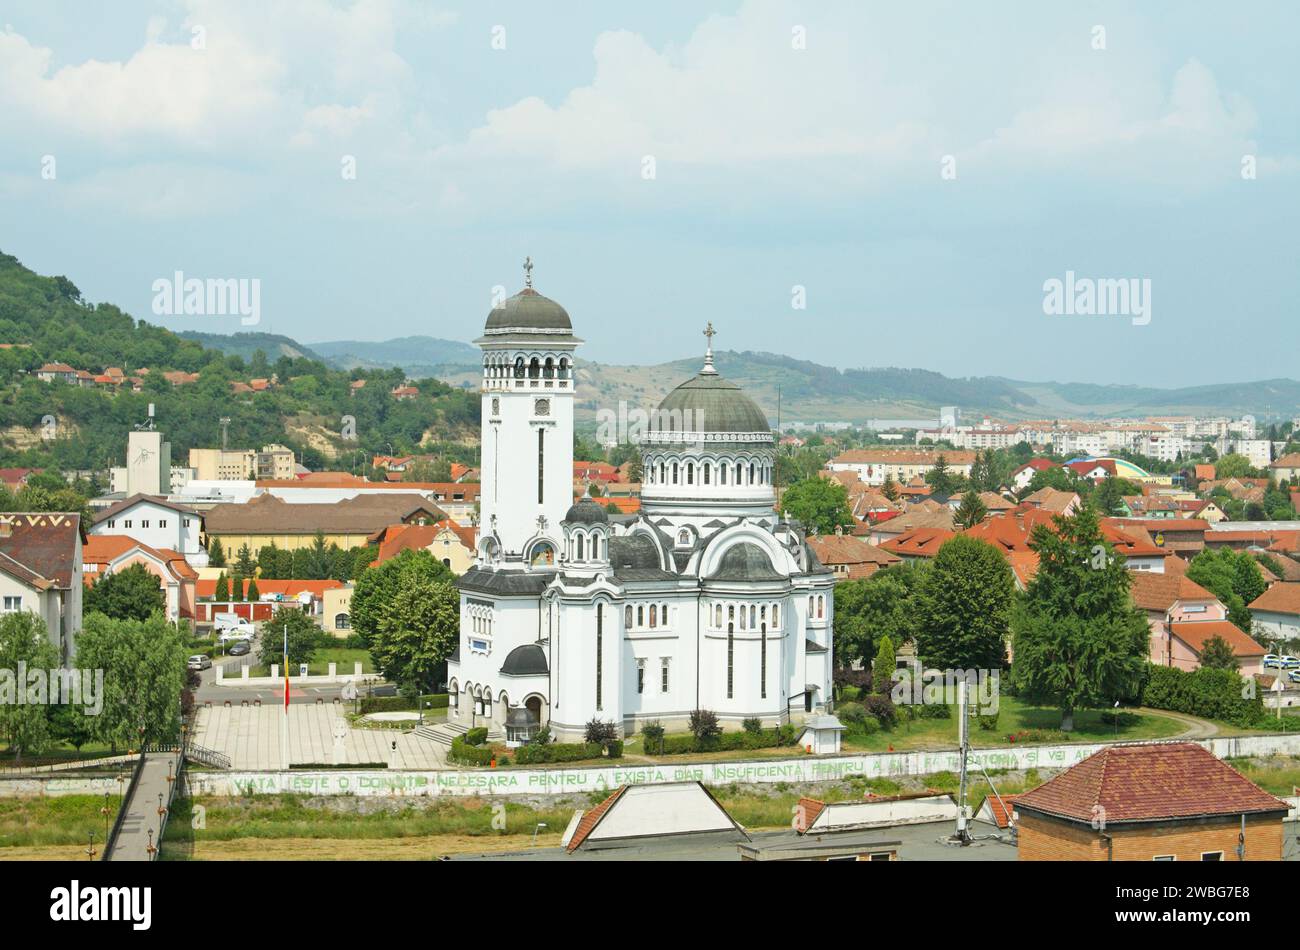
286 669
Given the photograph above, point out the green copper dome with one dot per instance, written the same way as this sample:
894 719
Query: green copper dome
528 310
708 403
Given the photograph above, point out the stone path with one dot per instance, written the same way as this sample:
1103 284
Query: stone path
318 735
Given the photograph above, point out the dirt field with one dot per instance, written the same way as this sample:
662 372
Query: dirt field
355 849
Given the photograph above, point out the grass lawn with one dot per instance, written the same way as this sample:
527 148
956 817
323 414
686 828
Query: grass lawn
57 750
41 822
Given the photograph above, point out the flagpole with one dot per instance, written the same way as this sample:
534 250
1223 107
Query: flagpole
284 729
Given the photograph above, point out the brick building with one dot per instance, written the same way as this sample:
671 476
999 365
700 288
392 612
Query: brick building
1150 802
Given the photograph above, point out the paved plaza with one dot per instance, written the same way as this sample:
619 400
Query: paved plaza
319 734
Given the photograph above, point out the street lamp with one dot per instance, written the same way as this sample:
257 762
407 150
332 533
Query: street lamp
149 848
105 811
90 847
161 810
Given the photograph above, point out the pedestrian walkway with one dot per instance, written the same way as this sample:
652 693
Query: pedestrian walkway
133 839
318 734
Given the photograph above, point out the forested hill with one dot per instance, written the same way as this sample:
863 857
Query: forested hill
46 320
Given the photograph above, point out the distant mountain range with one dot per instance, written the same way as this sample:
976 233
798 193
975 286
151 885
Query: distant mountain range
808 392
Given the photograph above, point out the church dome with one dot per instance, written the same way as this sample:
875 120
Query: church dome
745 562
587 511
708 403
528 310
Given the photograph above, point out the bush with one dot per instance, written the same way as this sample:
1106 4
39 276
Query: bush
867 726
1210 693
704 725
614 748
722 741
851 713
934 711
652 733
476 736
560 752
601 732
1123 720
882 707
752 725
989 723
467 754
374 704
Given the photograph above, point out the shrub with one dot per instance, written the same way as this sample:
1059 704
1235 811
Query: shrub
1124 720
704 725
882 707
466 754
752 725
559 752
374 704
476 736
851 713
934 711
867 726
652 733
989 723
614 748
601 732
1211 693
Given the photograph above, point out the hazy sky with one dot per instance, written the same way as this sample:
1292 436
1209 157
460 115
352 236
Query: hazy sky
793 145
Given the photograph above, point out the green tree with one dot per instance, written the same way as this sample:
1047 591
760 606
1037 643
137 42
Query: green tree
964 607
254 595
24 726
1233 577
1108 498
1217 654
144 674
222 594
940 477
244 562
970 511
819 504
303 638
882 668
129 594
1078 639
216 554
1233 465
890 487
408 612
871 608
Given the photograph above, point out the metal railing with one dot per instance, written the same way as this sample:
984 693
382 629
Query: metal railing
111 841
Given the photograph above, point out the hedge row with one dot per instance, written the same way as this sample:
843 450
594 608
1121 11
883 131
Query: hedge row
374 704
1209 693
724 742
467 754
533 754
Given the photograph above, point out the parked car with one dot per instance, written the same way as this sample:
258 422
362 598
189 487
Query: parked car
239 648
1272 659
1290 662
200 661
1294 676
245 631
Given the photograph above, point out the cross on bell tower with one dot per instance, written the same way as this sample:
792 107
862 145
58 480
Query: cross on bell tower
528 272
709 334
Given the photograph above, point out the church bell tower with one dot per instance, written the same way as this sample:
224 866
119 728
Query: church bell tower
527 429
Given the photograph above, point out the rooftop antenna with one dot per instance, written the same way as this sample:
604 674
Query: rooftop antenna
147 425
709 334
962 834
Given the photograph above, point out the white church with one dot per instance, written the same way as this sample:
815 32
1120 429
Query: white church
705 599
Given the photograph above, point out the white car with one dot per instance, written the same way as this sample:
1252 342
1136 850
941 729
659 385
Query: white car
242 632
199 662
1290 662
1272 659
1294 676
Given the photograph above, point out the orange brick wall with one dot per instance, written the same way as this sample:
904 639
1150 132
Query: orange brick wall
1043 839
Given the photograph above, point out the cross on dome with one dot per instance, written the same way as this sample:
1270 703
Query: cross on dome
709 334
528 272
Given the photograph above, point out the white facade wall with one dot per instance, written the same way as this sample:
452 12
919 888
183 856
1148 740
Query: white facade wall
157 526
1274 626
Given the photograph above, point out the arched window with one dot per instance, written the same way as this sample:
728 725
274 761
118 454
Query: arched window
564 367
776 615
738 471
708 470
342 622
751 473
519 367
640 616
661 472
654 615
580 557
762 662
812 606
549 370
627 616
487 704
690 473
534 366
683 537
663 615
674 473
753 616
821 607
722 474
717 615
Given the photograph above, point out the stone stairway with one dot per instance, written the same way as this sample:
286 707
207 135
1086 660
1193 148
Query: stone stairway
441 733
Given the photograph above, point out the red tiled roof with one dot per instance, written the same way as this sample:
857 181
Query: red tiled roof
1001 809
1152 591
1281 598
919 542
590 819
1196 633
39 548
1148 783
418 537
904 457
286 588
